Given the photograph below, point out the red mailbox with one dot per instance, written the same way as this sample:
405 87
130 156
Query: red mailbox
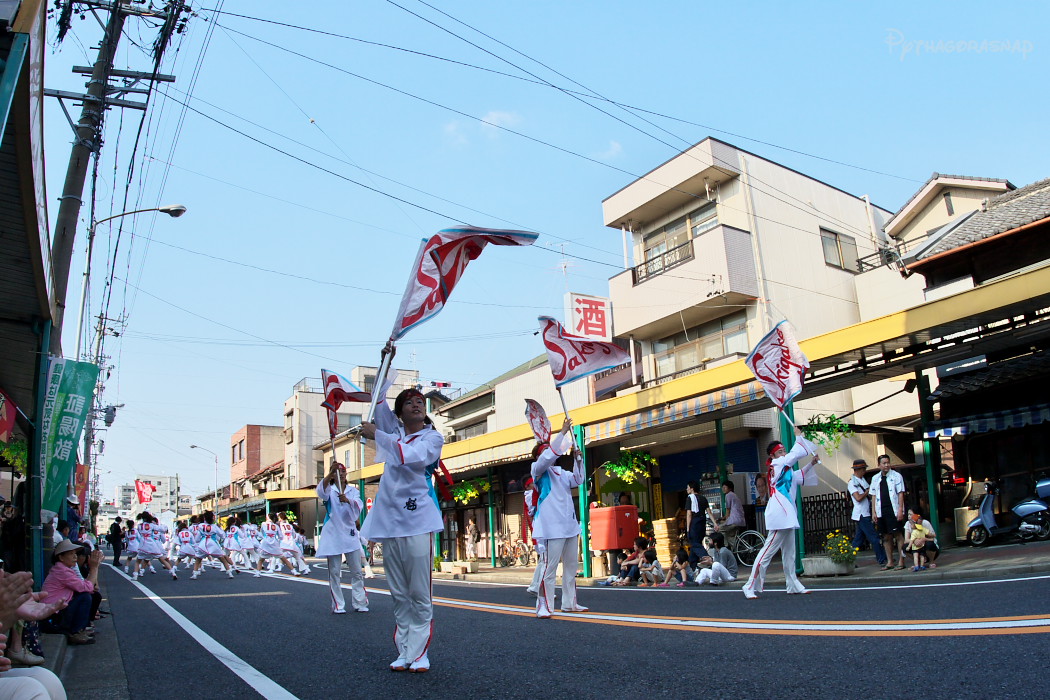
614 528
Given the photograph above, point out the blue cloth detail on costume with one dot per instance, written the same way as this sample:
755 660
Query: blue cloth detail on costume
430 483
784 482
545 489
328 511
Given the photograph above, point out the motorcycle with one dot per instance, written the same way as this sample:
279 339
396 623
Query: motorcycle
1031 517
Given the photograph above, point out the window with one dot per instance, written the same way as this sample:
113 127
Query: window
320 470
472 430
691 348
348 420
839 250
703 219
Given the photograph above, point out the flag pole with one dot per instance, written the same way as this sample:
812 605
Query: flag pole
384 369
563 406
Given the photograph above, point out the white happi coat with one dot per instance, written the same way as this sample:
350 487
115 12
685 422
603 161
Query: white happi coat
781 513
405 504
555 512
339 534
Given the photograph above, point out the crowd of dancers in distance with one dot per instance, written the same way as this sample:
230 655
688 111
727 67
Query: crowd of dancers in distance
277 542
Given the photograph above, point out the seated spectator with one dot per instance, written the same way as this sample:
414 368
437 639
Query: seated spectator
679 569
630 567
621 556
61 532
18 602
650 571
723 563
922 541
65 585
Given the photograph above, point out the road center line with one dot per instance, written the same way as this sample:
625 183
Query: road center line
249 674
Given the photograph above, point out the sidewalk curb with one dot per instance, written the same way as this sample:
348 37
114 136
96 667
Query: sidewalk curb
96 671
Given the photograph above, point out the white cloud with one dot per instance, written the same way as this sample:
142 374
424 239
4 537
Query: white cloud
454 134
496 118
609 153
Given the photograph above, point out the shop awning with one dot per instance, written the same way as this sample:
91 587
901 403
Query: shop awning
501 454
989 422
679 410
290 495
245 505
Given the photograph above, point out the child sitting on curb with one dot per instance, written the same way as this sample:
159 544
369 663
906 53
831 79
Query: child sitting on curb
679 569
651 571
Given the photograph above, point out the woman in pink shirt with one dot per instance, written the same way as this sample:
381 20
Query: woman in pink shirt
65 584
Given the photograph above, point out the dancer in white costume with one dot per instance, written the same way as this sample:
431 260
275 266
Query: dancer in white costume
339 538
150 547
185 551
131 547
555 525
270 546
289 547
781 513
210 542
404 517
531 492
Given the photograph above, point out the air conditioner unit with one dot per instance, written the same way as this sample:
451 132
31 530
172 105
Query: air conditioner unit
451 437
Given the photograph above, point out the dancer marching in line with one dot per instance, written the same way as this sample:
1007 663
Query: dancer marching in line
150 548
404 517
339 538
781 514
555 524
531 493
270 546
131 548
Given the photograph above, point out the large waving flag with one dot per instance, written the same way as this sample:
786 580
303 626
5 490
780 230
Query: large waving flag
573 357
538 420
144 491
338 389
440 264
779 364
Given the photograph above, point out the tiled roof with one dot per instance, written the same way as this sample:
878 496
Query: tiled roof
936 176
1007 212
490 385
1002 373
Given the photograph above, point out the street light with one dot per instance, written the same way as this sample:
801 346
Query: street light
198 447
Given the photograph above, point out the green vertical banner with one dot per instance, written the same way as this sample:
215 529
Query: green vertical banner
70 386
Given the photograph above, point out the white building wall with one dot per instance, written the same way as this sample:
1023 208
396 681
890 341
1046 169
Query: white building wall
537 384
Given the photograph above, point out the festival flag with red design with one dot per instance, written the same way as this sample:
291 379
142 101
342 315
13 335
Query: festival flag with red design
337 390
779 364
7 416
573 357
144 491
440 264
538 421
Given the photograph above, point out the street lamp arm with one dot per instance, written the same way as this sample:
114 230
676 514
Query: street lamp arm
173 210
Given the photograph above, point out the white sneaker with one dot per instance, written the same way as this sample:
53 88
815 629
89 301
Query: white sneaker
195 575
749 594
360 609
339 612
257 574
399 664
126 569
151 569
421 665
135 576
229 573
174 576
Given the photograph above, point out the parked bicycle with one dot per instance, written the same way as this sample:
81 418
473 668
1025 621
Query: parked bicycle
525 553
505 554
746 546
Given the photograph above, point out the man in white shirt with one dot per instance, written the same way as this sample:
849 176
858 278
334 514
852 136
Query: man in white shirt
887 492
857 487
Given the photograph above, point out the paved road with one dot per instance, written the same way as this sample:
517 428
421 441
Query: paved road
957 639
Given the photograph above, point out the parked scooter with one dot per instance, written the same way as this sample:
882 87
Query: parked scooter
1031 517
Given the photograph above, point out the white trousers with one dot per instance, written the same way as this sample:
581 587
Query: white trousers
566 551
716 575
31 684
782 541
358 599
409 562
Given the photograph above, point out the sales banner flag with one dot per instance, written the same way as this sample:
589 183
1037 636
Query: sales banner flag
538 421
440 264
70 387
144 491
573 357
7 416
778 364
338 390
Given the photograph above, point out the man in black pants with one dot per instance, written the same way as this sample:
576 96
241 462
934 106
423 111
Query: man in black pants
116 538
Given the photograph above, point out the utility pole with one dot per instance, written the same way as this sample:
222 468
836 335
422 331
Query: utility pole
88 134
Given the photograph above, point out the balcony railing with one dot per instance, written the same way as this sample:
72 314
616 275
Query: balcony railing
663 262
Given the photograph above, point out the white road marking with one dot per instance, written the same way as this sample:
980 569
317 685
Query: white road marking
246 672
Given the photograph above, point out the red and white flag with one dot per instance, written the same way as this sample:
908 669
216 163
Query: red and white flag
337 390
144 491
538 421
439 265
573 357
779 365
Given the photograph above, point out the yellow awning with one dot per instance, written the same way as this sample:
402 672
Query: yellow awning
290 494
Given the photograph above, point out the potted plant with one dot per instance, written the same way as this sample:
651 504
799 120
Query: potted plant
840 557
466 491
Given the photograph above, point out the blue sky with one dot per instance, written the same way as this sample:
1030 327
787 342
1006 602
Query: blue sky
284 265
